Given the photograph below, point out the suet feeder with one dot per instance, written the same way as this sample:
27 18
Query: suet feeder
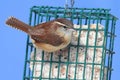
86 65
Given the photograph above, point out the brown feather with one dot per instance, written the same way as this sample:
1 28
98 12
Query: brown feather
53 39
49 36
15 23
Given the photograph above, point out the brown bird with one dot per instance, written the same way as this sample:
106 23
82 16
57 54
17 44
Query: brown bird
50 36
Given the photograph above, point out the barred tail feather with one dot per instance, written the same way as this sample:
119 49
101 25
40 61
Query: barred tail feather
17 24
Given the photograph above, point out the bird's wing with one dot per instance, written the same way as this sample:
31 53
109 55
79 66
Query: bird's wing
46 33
42 29
51 39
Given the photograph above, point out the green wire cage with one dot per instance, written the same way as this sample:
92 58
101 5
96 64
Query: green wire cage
87 64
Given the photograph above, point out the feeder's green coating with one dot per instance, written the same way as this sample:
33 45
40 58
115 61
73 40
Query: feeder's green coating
80 16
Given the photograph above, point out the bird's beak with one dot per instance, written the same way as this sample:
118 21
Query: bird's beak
72 29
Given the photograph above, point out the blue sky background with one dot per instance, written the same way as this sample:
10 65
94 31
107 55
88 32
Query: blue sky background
13 42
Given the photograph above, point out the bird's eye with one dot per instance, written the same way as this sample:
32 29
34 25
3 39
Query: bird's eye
64 26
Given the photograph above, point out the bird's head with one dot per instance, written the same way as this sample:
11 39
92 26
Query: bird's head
64 25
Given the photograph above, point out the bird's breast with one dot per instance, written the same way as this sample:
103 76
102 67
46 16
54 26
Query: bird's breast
48 47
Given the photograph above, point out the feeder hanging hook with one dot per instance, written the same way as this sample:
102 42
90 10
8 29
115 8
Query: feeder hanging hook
72 4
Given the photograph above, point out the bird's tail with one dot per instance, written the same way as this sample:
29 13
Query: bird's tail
17 24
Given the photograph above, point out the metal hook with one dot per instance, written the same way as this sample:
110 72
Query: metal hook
66 4
72 4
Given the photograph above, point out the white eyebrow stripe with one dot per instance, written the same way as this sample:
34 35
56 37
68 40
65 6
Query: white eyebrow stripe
60 23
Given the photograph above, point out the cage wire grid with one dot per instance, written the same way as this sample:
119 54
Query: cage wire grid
79 16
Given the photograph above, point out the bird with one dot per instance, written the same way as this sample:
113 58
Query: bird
49 36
